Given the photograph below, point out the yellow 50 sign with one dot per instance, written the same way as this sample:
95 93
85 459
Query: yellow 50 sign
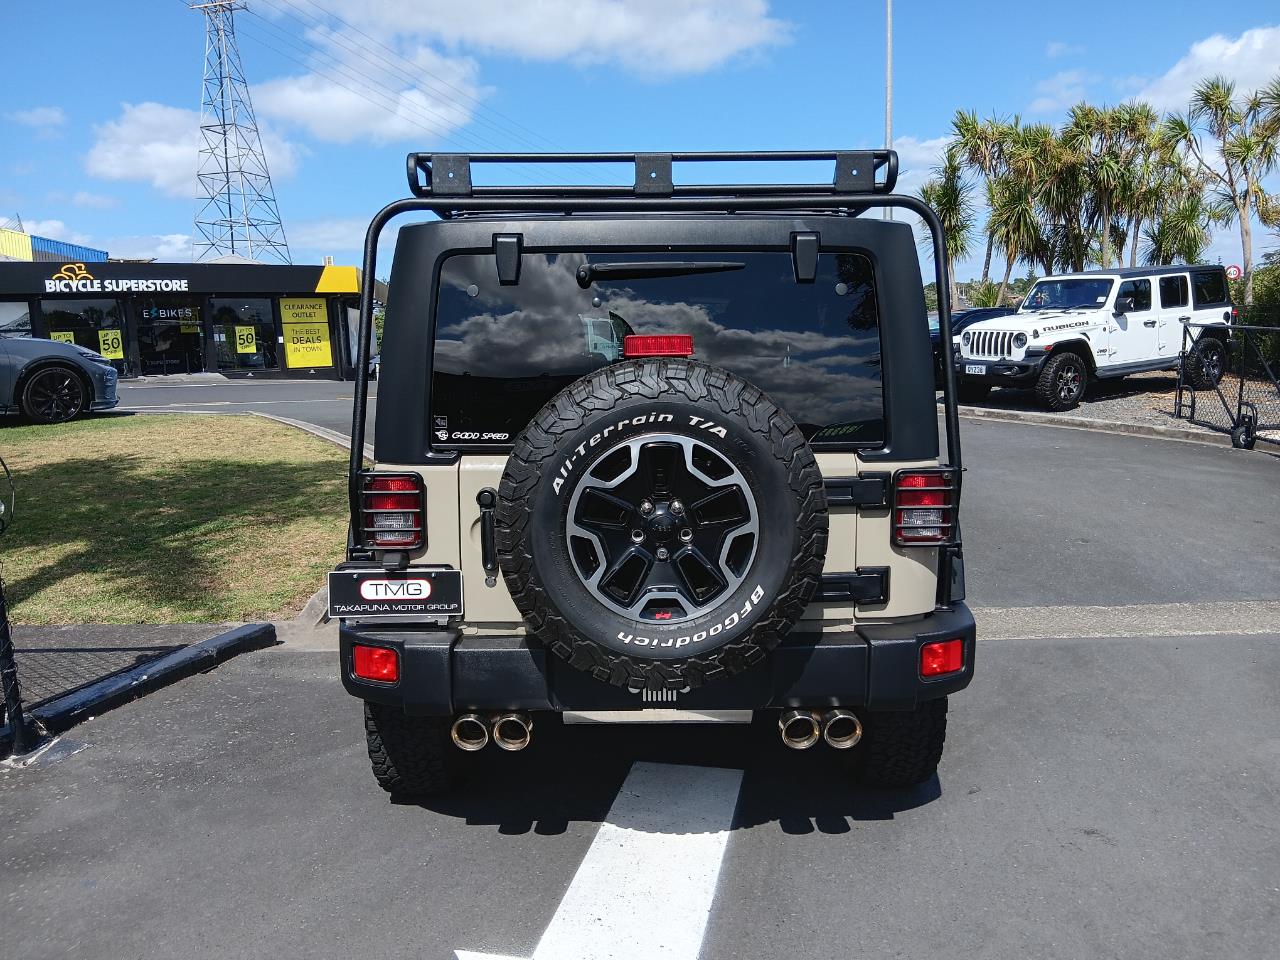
246 340
111 344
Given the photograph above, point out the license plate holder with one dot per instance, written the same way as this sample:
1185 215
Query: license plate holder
413 593
978 368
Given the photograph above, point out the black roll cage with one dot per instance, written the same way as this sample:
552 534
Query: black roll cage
441 184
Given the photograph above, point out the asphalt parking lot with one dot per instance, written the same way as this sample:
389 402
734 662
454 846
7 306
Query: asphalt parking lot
326 403
1109 785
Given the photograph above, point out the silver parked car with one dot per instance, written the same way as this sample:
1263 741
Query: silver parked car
52 382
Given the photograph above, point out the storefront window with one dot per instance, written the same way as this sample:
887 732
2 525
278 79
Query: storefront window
96 324
245 334
169 335
15 319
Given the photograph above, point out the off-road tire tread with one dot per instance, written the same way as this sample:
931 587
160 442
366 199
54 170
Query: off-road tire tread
901 748
411 756
1193 364
1047 394
601 392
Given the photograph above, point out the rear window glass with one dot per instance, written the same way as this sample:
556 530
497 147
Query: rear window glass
1210 288
1173 291
503 352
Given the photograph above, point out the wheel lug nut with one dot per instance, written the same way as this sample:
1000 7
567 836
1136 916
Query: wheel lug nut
686 534
677 506
646 507
637 536
663 553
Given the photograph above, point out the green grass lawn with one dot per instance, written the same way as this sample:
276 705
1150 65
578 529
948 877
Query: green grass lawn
169 519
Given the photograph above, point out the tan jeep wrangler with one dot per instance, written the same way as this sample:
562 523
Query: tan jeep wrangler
654 452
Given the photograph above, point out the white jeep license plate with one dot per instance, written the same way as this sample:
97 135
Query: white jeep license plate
978 368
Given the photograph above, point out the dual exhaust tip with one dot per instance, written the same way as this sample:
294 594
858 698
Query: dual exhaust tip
507 731
801 729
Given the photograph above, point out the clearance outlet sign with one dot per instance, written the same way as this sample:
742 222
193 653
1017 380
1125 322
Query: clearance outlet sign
306 332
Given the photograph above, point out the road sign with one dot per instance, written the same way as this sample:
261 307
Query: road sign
1234 272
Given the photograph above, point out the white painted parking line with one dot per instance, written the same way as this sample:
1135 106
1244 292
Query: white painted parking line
178 405
1212 617
646 885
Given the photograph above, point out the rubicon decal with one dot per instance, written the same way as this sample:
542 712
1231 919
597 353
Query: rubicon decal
395 589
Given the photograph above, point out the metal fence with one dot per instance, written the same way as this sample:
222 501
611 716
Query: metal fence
1242 395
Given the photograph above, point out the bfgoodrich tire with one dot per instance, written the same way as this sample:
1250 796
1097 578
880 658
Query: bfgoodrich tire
901 748
661 523
411 756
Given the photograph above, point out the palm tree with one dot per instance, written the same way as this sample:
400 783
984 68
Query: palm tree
979 144
1182 231
950 195
1242 134
1014 225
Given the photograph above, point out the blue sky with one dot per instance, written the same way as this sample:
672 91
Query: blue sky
99 110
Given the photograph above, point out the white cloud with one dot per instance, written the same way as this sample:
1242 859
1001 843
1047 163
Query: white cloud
55 230
1059 48
1062 90
98 201
163 246
654 38
341 238
40 117
158 144
1250 60
327 106
916 160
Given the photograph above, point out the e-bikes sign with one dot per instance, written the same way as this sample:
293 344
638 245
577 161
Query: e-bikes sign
74 278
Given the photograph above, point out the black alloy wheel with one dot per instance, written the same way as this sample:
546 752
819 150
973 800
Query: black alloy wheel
53 395
662 527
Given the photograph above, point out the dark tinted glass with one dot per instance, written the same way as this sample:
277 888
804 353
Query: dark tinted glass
503 352
97 324
1140 290
15 319
244 334
1173 292
1210 288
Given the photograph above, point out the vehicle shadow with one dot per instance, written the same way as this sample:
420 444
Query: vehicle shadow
572 773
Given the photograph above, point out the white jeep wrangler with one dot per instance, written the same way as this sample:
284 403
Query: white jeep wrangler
1102 324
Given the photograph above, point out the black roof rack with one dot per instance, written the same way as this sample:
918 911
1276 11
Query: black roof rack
446 178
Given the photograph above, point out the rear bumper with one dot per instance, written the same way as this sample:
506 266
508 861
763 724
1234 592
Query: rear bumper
873 666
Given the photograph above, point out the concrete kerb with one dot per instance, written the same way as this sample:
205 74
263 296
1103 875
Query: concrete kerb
66 711
1184 434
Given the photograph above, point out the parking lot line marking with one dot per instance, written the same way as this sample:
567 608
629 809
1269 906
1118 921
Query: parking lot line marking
1212 617
646 886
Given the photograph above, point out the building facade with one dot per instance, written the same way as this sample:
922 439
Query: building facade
153 319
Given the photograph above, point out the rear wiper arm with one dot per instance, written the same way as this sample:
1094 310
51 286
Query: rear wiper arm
636 271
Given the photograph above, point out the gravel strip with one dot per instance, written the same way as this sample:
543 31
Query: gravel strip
1143 399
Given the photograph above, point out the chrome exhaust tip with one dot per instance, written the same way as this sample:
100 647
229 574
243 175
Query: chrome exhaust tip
841 728
512 731
470 732
800 729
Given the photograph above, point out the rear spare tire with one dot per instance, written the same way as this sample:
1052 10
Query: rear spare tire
661 523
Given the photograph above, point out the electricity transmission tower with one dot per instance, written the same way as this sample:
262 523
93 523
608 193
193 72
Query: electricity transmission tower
237 212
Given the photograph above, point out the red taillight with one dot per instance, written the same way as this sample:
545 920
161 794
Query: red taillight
375 663
924 507
658 345
945 656
392 512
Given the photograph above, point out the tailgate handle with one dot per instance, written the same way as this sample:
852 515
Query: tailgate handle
487 500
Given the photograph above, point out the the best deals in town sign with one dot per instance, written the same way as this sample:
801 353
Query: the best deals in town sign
305 322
